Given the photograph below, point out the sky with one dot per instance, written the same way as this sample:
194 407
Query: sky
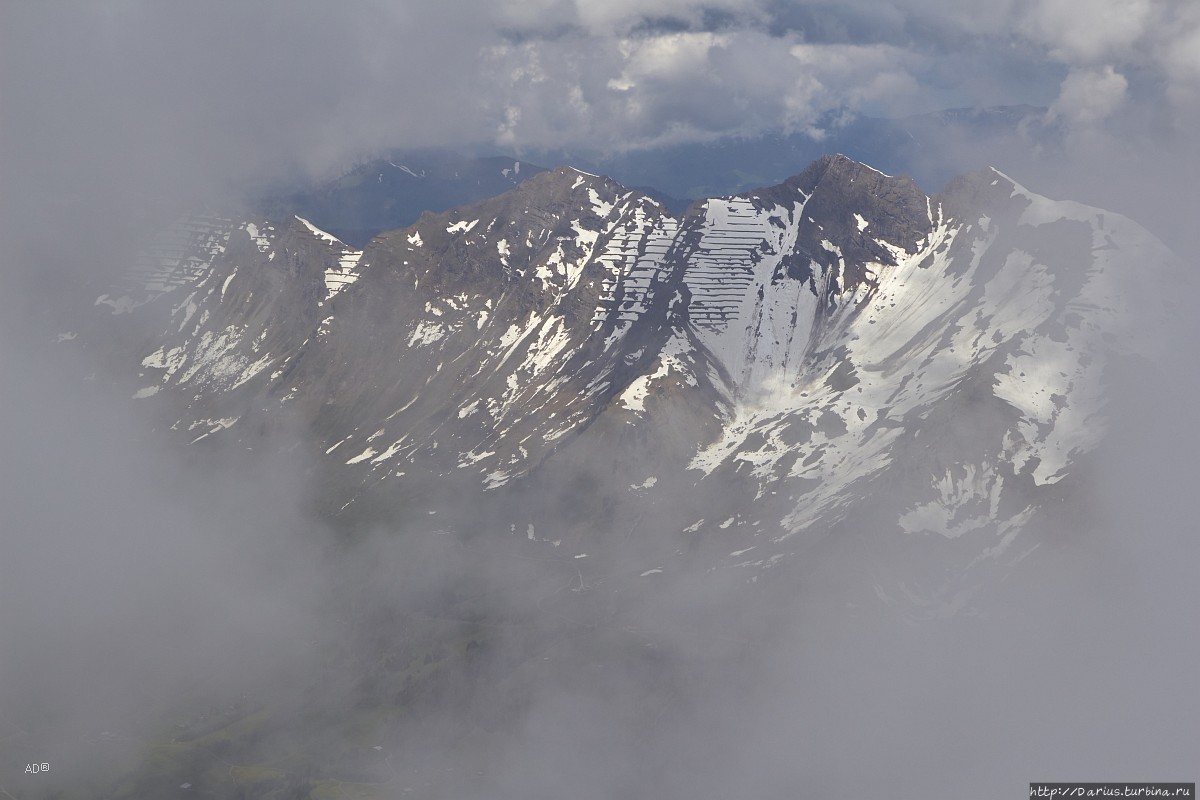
115 115
247 87
128 106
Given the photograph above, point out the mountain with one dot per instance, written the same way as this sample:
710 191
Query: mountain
651 504
837 353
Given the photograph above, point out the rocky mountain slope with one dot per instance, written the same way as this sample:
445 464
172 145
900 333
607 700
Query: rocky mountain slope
838 356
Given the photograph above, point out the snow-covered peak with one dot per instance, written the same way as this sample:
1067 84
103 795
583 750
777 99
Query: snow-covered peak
775 357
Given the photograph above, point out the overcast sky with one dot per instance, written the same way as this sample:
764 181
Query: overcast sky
250 86
117 106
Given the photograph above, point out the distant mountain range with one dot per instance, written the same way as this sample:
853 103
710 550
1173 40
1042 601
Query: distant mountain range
392 191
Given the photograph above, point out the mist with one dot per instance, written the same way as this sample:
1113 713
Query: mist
141 585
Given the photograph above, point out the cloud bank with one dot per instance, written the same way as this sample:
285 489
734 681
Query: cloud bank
129 104
119 113
257 87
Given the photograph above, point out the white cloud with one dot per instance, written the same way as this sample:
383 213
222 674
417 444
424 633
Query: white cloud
1181 62
1087 32
671 57
616 92
619 16
1089 96
506 131
1104 41
324 87
857 75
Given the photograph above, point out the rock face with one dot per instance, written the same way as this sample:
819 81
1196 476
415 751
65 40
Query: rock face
840 353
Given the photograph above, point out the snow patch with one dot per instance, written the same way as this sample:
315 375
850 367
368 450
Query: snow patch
363 456
462 227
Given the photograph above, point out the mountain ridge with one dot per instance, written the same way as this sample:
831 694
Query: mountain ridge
769 356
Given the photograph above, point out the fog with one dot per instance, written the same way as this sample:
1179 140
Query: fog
140 585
